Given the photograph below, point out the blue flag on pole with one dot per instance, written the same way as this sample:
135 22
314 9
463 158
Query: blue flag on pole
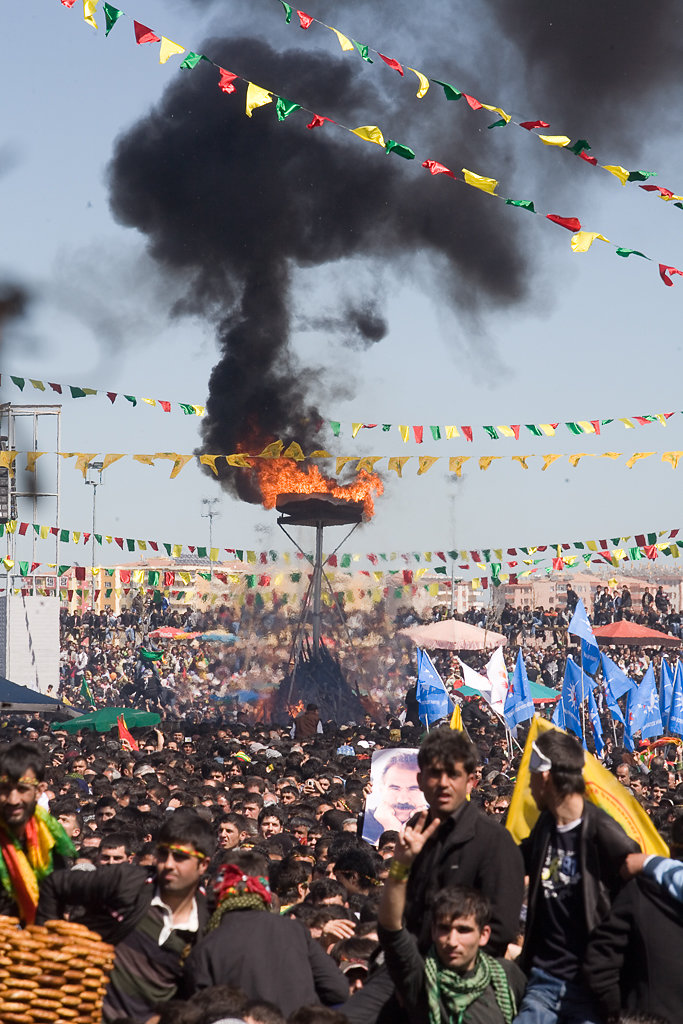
519 706
581 627
558 716
646 714
575 688
675 721
666 688
617 683
431 694
594 716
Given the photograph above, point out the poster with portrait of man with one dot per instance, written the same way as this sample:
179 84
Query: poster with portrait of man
395 795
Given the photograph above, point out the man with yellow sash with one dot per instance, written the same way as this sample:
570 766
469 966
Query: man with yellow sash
32 842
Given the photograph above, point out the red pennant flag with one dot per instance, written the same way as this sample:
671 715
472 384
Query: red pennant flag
570 223
68 3
69 595
153 544
192 548
79 572
514 427
664 271
467 431
124 575
674 533
475 104
596 426
144 34
34 566
475 556
589 159
127 741
263 557
534 124
657 188
485 583
227 79
112 396
372 559
166 406
318 121
169 578
304 19
434 167
119 541
512 551
441 555
54 531
513 578
418 432
392 63
56 387
407 576
23 527
86 538
650 551
332 561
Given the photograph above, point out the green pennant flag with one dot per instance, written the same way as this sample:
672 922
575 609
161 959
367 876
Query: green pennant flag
440 569
288 11
386 427
19 381
36 528
62 569
498 124
579 545
635 554
64 536
335 427
258 600
108 592
76 392
579 147
492 432
167 548
187 409
273 555
400 150
239 553
452 554
111 16
201 552
284 108
180 595
398 592
132 399
345 561
486 554
130 543
98 538
631 252
110 572
294 577
603 423
251 580
192 60
679 205
153 577
86 692
363 51
451 92
641 175
574 428
536 431
651 538
587 558
146 655
436 433
523 204
23 568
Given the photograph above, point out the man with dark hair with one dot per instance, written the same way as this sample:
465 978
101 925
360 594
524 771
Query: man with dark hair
398 797
356 869
150 921
116 848
307 724
264 954
32 842
572 856
455 977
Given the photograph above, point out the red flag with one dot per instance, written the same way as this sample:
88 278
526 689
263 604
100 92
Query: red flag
86 538
166 406
68 3
485 583
570 223
475 104
664 271
657 188
434 167
318 121
56 387
534 124
127 741
23 527
418 433
226 83
372 558
79 572
112 396
332 561
515 430
153 544
304 19
467 431
169 579
392 63
589 159
119 541
144 34
596 426
34 566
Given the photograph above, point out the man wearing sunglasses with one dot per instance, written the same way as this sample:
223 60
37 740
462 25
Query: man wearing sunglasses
152 919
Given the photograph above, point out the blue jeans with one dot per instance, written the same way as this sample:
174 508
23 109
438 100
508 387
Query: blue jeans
550 1000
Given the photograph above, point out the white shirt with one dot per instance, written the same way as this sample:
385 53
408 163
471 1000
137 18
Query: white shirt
169 925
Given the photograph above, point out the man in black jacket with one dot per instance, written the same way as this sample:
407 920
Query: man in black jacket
267 956
152 922
572 856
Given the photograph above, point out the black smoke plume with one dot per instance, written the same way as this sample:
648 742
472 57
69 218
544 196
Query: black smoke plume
13 303
235 208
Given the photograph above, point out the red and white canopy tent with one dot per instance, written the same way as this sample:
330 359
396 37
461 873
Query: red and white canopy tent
452 635
632 634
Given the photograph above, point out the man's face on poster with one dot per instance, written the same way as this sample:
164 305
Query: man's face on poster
401 793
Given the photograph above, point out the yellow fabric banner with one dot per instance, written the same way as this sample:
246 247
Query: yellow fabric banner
478 181
89 8
397 463
110 459
582 240
404 431
344 42
294 451
636 457
424 83
370 133
256 97
548 461
619 172
672 458
555 140
31 459
456 462
210 460
169 49
426 463
368 463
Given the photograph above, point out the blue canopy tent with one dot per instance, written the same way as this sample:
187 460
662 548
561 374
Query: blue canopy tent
22 700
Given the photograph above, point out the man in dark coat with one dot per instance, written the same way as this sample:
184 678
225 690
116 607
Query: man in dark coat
306 724
267 956
572 857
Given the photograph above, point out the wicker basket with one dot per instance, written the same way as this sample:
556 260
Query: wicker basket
56 973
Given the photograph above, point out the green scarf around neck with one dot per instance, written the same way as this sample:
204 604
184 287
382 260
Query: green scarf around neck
452 993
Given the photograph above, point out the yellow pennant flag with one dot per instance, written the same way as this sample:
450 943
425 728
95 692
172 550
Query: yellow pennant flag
210 460
397 462
239 460
548 461
257 97
486 460
478 181
8 563
148 401
7 461
368 463
456 462
672 458
498 110
521 459
142 545
176 550
185 577
404 431
31 459
602 789
342 461
137 576
37 384
169 49
199 410
574 459
426 463
83 460
146 460
610 455
344 42
424 83
213 554
44 532
586 426
456 718
628 424
370 133
505 430
272 450
110 459
636 457
451 432
319 453
294 451
619 172
582 240
355 428
89 8
76 536
554 140
179 461
548 429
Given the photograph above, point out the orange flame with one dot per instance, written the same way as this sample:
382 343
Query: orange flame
285 476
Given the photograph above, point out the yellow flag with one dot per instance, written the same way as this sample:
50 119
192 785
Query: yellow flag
83 460
610 455
110 459
397 462
424 83
344 42
179 461
185 577
319 453
456 718
213 554
451 432
342 461
672 458
477 181
586 426
582 240
636 457
602 789
498 110
146 460
89 8
521 459
548 429
169 49
210 460
199 410
7 461
142 545
574 459
505 430
8 563
456 462
294 451
370 133
37 384
486 460
257 97
426 463
76 536
555 140
31 459
355 428
619 172
368 463
148 401
548 461
404 431
176 550
272 450
628 424
137 576
243 461
44 532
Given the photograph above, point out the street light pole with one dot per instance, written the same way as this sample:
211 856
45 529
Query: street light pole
94 468
209 514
